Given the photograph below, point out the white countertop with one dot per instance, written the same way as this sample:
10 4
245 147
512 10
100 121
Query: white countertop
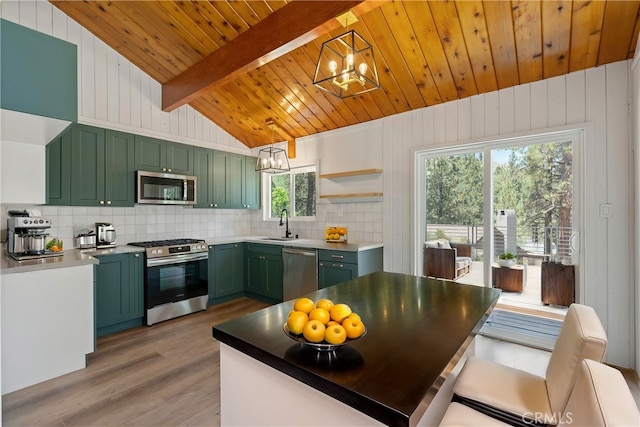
298 243
75 257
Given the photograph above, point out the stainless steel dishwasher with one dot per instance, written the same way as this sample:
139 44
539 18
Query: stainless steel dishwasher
300 272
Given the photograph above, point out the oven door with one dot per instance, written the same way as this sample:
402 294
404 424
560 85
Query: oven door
176 278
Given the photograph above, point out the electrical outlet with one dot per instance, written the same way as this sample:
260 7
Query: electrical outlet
605 210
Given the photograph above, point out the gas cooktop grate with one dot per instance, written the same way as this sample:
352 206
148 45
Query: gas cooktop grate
170 242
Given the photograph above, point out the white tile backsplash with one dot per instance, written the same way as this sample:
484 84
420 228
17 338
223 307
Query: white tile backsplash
151 222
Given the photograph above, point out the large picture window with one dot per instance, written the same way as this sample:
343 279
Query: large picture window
294 191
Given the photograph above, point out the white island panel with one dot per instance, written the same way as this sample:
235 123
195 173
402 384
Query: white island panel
47 324
252 393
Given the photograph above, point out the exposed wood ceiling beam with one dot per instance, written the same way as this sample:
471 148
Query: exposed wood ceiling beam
286 29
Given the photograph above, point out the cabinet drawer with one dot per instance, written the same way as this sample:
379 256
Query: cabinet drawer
338 256
264 249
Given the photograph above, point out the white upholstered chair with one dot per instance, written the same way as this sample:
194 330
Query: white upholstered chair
511 394
599 397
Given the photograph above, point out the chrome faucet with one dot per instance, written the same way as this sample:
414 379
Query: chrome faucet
287 232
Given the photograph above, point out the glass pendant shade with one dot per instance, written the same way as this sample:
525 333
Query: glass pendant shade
346 66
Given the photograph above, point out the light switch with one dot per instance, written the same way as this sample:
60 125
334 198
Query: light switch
605 210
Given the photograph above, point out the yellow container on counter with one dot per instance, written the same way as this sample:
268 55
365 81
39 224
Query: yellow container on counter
335 234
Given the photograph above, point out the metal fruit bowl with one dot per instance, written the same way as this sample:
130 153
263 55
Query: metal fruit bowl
320 346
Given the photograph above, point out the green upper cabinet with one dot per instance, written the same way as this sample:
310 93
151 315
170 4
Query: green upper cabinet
58 164
251 195
203 171
226 180
157 155
119 170
236 184
89 166
235 180
219 182
38 73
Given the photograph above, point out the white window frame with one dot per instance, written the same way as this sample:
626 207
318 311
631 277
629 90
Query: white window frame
266 194
577 135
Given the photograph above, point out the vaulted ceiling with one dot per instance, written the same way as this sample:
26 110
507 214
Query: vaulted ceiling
243 62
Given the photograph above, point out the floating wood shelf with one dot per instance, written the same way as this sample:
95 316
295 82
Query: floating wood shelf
350 173
346 196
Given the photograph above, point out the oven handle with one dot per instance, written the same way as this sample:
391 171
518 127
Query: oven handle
177 259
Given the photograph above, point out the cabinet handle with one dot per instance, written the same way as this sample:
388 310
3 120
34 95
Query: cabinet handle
337 256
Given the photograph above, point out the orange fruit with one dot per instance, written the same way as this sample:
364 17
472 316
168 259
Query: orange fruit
327 304
331 322
353 327
296 322
304 304
335 334
320 314
357 316
313 331
339 312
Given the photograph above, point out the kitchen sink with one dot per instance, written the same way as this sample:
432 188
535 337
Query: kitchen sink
279 239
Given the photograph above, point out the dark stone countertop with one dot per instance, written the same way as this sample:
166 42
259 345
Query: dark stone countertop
415 327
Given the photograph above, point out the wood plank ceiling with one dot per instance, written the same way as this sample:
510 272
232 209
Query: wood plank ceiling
427 52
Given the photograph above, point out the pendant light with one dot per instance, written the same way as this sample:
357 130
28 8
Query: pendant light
346 66
272 159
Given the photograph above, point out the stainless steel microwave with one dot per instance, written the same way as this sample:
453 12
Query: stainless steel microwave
157 188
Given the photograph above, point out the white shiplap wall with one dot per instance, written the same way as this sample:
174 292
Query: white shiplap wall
597 99
114 93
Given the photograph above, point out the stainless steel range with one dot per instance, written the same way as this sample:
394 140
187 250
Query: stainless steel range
176 278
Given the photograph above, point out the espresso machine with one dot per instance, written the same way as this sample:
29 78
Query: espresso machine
26 236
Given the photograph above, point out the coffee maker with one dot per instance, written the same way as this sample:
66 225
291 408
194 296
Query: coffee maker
26 236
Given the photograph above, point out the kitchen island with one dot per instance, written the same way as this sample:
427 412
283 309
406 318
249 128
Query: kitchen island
417 331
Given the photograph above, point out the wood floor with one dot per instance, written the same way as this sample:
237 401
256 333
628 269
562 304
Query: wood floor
168 375
164 375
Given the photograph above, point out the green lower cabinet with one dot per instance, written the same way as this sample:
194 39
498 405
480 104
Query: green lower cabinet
226 272
119 293
332 273
340 266
264 272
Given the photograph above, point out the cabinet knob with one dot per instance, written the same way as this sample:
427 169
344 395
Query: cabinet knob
108 202
235 246
137 255
164 169
211 247
211 205
169 170
215 205
102 202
